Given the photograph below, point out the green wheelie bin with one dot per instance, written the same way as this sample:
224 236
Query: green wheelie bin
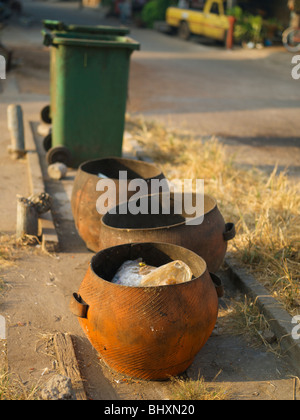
89 74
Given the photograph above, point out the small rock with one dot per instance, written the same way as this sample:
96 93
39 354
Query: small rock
57 170
59 387
44 129
269 336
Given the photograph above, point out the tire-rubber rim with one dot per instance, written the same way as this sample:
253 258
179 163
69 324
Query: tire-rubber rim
59 154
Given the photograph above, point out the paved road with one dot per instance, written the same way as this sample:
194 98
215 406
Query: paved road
246 98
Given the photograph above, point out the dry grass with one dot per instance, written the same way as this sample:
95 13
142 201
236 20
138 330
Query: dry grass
2 285
12 389
7 250
243 317
189 389
265 208
7 257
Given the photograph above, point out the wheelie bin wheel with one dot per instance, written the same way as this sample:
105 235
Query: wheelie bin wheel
47 142
59 154
45 115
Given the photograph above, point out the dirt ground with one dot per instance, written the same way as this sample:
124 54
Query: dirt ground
31 67
257 129
247 99
38 286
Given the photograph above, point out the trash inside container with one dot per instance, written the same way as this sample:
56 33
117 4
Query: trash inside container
89 81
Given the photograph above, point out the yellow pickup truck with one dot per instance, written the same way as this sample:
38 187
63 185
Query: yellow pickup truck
212 22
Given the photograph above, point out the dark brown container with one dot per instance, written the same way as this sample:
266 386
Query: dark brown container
208 239
84 195
146 332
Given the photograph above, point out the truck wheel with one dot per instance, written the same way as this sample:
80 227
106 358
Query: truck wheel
59 154
184 31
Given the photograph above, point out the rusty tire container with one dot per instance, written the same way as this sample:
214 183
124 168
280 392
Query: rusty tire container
208 239
150 333
84 194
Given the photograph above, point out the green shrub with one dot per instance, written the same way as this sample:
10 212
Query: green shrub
247 27
155 10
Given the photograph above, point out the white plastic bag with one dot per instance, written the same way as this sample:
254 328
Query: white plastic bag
131 272
173 273
138 274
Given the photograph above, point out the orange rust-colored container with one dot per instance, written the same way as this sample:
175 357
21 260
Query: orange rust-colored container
85 194
208 237
150 333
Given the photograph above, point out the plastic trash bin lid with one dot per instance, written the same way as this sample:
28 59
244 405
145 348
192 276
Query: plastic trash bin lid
55 25
119 42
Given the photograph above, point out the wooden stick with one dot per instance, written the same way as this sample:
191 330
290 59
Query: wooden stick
68 364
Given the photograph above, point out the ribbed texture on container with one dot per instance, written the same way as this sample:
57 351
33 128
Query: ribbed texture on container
149 333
